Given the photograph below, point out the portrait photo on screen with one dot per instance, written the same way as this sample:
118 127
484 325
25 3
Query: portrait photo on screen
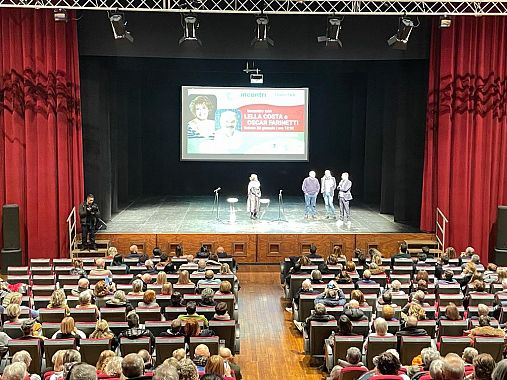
238 123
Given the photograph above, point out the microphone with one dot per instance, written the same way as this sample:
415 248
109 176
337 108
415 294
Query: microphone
217 189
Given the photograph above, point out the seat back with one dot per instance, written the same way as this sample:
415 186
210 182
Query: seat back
157 327
318 332
51 315
43 279
446 299
455 344
429 325
226 330
210 341
490 345
452 328
113 314
393 327
353 373
486 299
92 348
133 346
306 305
361 327
13 330
42 290
370 289
411 346
118 327
343 343
449 289
377 345
400 300
148 314
34 349
53 345
165 347
83 315
229 300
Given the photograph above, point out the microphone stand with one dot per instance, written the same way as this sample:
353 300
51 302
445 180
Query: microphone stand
281 210
216 205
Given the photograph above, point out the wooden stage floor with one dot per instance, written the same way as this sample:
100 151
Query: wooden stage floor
188 215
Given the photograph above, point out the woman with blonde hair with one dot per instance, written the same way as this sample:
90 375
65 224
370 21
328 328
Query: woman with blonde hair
58 301
184 278
104 358
187 370
161 278
13 311
179 354
137 288
68 330
167 289
113 367
102 331
358 295
225 288
216 366
417 311
57 361
502 275
350 267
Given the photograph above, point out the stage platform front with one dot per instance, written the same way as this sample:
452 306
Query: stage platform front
168 221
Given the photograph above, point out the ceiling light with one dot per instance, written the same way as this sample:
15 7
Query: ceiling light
60 15
445 22
400 39
262 27
119 25
190 25
333 27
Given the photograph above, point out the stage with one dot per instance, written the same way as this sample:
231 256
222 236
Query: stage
187 215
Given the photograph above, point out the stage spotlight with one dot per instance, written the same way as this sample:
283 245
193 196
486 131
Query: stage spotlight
400 39
119 25
261 32
334 25
445 22
60 15
190 25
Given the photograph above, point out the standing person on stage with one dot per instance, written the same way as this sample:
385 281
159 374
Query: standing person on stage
327 188
311 188
345 196
89 214
254 196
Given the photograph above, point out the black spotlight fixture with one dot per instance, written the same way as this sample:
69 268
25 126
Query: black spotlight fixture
262 27
119 25
190 25
400 40
333 27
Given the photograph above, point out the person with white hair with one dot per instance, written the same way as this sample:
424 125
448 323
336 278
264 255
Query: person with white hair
311 188
345 197
327 188
14 371
100 269
254 196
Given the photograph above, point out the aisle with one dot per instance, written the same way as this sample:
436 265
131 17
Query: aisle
271 348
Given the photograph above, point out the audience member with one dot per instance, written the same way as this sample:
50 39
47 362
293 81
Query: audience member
485 329
353 312
82 371
24 357
411 328
201 356
226 354
149 300
100 269
165 372
85 302
352 359
102 331
137 288
184 279
221 312
83 285
120 300
500 371
175 329
191 314
134 331
14 371
207 295
57 361
104 358
68 330
132 366
437 369
78 268
187 370
332 296
147 359
58 301
484 365
453 367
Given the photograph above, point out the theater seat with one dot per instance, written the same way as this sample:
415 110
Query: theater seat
455 344
486 299
490 345
157 327
429 325
83 315
133 346
51 315
343 343
226 330
13 330
377 345
34 349
386 377
92 348
353 373
165 347
50 328
411 346
210 341
53 345
148 314
113 314
361 327
452 328
315 334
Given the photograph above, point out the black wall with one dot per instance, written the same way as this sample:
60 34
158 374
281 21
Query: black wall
365 117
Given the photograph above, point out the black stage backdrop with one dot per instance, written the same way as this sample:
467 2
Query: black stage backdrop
365 117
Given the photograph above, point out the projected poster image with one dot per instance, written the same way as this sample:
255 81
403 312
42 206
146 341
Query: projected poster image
244 124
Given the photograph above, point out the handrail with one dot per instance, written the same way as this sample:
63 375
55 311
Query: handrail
71 222
441 226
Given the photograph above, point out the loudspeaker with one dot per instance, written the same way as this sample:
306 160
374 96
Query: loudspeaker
10 223
501 228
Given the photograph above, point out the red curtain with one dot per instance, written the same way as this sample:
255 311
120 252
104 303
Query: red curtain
40 126
465 168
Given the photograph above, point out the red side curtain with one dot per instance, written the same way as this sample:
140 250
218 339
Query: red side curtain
465 168
41 151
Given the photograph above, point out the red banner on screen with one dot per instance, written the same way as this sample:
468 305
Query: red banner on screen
268 118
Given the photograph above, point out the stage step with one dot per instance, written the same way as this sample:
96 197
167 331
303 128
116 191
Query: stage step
101 251
415 246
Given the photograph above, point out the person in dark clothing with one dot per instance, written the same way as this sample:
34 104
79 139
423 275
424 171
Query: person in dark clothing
134 331
89 214
223 255
411 329
320 314
306 288
402 254
203 253
331 297
313 253
174 330
133 254
353 312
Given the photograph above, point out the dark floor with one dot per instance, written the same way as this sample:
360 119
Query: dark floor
196 215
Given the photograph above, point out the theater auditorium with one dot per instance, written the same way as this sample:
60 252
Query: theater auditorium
253 189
